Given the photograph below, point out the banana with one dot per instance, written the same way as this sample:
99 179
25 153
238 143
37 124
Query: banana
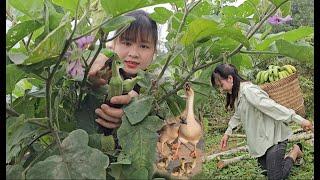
287 68
258 77
292 68
261 80
271 78
271 66
285 73
275 71
280 75
265 77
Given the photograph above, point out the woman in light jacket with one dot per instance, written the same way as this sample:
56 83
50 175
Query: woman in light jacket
265 122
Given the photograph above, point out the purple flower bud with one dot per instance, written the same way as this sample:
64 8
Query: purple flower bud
84 42
75 70
276 20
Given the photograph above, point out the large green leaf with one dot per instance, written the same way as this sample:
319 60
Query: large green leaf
137 110
70 5
77 161
14 172
290 36
242 61
116 23
277 2
54 16
33 8
18 135
117 7
232 14
161 15
13 75
201 28
21 87
25 105
138 142
286 9
19 31
303 53
49 47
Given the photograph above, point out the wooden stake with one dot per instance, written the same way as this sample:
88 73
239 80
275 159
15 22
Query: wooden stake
301 136
231 151
237 136
223 163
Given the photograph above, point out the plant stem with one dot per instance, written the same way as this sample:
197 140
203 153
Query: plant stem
258 52
38 137
49 81
87 71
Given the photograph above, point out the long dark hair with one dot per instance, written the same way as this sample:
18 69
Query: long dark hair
224 70
143 28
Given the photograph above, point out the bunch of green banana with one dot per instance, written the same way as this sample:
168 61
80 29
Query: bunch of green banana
274 73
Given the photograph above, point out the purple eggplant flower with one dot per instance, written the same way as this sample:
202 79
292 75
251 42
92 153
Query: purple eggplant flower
84 42
75 70
276 20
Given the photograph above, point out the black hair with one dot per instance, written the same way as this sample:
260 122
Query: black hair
224 70
143 28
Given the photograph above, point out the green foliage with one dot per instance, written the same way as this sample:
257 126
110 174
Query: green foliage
139 144
201 28
77 160
161 15
49 47
19 31
296 51
116 23
32 9
117 7
13 75
138 109
48 100
291 36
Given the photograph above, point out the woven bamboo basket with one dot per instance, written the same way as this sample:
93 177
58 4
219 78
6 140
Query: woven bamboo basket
287 92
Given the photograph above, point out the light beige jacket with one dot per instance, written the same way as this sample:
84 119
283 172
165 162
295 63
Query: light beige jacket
264 121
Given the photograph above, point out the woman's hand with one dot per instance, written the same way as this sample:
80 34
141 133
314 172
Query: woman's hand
97 65
110 117
224 142
307 125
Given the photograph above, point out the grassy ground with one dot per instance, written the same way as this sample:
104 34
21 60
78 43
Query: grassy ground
215 123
